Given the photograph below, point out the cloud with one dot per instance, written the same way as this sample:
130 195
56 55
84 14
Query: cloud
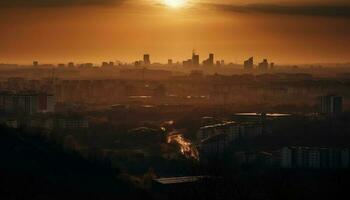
338 11
54 3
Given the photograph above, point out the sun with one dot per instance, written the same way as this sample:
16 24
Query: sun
175 3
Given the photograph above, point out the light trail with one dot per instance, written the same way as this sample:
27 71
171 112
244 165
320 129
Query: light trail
186 147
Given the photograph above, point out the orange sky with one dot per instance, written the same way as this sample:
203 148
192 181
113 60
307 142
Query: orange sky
315 31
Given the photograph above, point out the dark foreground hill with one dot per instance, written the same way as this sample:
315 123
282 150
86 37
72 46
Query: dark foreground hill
32 168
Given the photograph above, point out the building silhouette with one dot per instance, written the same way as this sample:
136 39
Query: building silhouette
146 59
264 65
195 59
187 63
193 62
26 102
170 62
70 64
222 63
210 61
314 158
249 64
331 104
35 63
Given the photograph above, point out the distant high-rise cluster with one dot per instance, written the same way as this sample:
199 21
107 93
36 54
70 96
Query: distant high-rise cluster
210 61
263 66
194 62
145 62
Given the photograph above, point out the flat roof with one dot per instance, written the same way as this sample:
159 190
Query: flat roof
267 114
219 125
177 180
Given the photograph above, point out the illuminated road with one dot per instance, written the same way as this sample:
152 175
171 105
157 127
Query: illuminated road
185 145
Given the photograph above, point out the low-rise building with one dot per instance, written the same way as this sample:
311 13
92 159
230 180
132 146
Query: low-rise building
331 104
214 146
314 158
26 102
72 123
11 123
232 129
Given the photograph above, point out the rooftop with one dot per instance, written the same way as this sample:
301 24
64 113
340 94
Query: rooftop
219 125
178 180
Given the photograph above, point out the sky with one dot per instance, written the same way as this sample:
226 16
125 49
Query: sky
283 31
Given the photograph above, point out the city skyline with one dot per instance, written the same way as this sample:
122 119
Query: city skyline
174 99
313 31
201 59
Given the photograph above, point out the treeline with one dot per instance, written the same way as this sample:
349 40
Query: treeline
34 168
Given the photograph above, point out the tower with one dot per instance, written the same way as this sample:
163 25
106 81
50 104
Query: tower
195 59
146 59
249 64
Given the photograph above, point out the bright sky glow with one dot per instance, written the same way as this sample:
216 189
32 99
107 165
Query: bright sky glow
175 3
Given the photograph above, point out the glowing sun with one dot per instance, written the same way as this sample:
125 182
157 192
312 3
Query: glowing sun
175 3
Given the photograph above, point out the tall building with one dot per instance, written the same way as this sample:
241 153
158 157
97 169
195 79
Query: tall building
222 63
170 62
146 59
210 61
331 104
195 59
61 65
70 64
264 65
249 64
35 63
286 157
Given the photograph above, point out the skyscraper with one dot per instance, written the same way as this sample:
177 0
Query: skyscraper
35 63
249 64
264 65
222 63
71 64
146 59
210 61
195 59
